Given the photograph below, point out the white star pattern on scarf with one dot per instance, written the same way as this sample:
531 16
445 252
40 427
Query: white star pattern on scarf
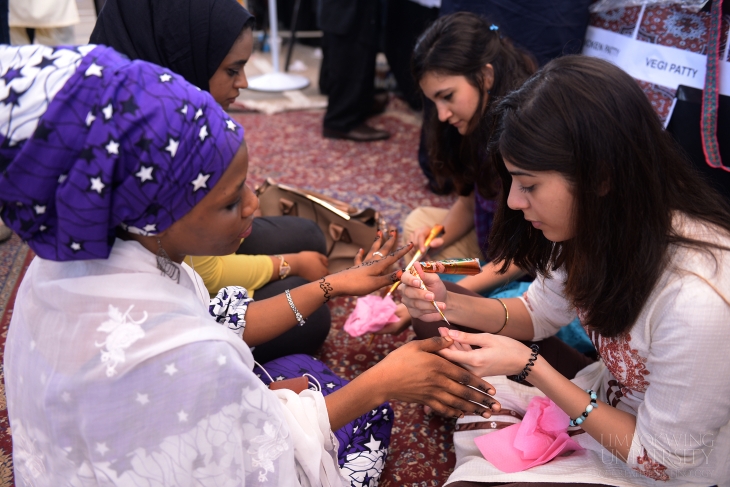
112 147
200 182
97 185
165 78
203 134
108 111
90 119
172 145
170 369
94 70
145 173
142 399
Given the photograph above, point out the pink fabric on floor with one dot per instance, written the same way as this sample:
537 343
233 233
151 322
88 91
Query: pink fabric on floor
541 436
371 314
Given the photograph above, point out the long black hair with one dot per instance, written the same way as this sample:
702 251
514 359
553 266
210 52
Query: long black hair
461 44
589 121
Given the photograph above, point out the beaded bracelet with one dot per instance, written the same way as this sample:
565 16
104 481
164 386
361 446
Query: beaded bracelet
530 363
297 314
593 405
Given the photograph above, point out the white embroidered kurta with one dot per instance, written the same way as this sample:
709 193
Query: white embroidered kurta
117 376
670 371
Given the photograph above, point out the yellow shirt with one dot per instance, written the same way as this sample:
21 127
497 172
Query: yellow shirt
249 271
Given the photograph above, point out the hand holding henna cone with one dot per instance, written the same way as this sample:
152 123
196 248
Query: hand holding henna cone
435 232
464 267
413 272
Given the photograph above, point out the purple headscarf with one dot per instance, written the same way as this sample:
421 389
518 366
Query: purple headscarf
90 141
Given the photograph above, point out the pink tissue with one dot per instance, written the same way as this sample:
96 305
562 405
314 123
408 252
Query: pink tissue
371 314
541 436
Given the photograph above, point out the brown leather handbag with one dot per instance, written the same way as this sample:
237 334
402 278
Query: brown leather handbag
346 228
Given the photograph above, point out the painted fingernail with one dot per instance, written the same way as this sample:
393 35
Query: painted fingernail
492 392
429 296
453 333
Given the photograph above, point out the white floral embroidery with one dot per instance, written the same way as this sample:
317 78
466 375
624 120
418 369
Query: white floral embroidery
121 336
266 448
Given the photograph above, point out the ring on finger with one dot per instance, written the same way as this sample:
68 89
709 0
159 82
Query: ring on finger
378 253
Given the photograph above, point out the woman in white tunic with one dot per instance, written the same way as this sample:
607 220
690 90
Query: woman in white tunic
599 202
116 374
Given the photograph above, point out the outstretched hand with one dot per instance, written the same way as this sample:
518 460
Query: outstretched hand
414 373
372 270
418 301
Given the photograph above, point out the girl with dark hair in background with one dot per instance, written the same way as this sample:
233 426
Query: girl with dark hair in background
208 42
599 201
462 64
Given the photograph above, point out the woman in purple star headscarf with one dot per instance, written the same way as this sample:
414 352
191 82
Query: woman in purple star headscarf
116 373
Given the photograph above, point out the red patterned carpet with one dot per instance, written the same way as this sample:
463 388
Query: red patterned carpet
385 175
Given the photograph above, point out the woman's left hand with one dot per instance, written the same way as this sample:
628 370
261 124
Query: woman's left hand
498 355
371 273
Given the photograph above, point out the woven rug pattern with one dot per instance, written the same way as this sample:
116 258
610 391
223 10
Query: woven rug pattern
385 175
289 148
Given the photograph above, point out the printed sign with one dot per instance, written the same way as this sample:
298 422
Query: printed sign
653 63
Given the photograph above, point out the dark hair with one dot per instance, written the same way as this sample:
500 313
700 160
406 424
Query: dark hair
592 123
461 44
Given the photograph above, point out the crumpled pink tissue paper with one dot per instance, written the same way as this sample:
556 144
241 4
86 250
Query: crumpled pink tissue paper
371 314
541 436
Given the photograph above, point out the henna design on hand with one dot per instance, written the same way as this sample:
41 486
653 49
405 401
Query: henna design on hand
395 277
326 288
392 254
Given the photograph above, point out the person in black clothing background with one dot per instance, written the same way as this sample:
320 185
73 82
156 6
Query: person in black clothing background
351 36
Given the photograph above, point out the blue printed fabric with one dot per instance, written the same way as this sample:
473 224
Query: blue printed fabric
363 442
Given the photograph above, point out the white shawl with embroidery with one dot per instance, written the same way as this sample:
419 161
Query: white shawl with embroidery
117 376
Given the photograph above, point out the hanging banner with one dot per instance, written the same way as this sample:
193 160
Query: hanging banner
653 63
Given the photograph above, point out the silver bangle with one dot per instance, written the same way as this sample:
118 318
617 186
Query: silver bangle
297 314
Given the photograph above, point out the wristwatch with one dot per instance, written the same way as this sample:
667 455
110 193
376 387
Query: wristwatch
284 267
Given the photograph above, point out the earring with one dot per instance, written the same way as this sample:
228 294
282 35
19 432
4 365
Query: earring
166 265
